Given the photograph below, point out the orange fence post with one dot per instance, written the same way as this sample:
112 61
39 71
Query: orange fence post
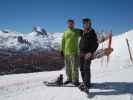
130 54
109 45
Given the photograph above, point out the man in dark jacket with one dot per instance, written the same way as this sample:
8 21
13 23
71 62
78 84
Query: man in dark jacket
88 45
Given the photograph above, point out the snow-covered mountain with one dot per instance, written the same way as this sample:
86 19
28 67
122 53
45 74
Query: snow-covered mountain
9 39
112 81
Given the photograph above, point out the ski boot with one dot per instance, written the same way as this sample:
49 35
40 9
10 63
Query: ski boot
59 81
84 88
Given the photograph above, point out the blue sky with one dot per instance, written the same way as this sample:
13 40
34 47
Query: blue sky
22 15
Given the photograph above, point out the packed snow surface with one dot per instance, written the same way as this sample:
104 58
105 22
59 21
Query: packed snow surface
112 81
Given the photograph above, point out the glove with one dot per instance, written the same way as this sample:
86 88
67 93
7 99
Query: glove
62 54
88 56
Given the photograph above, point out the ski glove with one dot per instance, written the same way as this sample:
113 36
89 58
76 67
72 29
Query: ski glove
62 54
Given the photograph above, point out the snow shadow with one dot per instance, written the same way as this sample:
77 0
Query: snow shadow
113 88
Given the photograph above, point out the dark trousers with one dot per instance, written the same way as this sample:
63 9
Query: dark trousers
85 71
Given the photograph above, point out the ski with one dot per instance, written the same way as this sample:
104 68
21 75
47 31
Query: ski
58 83
52 84
102 52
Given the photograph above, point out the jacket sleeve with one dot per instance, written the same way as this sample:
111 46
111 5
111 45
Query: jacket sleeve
80 32
94 42
63 42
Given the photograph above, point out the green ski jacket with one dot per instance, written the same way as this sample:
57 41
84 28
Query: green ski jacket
70 42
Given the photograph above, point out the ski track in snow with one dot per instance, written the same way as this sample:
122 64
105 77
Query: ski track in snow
107 73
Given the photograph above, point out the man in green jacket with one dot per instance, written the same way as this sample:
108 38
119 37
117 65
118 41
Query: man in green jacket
70 49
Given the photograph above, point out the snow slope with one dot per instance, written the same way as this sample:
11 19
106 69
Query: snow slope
111 81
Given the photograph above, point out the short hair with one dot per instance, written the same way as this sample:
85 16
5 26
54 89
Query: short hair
87 20
70 20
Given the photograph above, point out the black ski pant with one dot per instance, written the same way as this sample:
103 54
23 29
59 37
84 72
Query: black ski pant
85 71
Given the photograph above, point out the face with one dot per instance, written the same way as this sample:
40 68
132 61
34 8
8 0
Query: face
70 24
86 25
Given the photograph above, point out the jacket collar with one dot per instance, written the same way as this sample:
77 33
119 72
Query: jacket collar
70 28
88 30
